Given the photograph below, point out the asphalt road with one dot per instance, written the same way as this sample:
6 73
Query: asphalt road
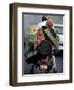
59 65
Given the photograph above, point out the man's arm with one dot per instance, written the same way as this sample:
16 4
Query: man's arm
52 37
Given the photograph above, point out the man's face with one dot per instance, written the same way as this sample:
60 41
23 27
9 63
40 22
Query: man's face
49 23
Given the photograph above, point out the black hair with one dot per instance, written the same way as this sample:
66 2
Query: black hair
44 18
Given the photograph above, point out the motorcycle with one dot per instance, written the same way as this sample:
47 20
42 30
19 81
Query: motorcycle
41 59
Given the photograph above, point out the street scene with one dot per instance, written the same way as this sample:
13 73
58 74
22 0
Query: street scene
42 43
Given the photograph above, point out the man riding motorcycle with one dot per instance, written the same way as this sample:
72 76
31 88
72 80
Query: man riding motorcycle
43 60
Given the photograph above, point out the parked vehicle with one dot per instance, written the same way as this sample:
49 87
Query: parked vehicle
59 33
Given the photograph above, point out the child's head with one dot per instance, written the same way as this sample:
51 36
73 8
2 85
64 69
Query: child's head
44 18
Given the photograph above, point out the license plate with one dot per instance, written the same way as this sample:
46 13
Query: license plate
43 66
